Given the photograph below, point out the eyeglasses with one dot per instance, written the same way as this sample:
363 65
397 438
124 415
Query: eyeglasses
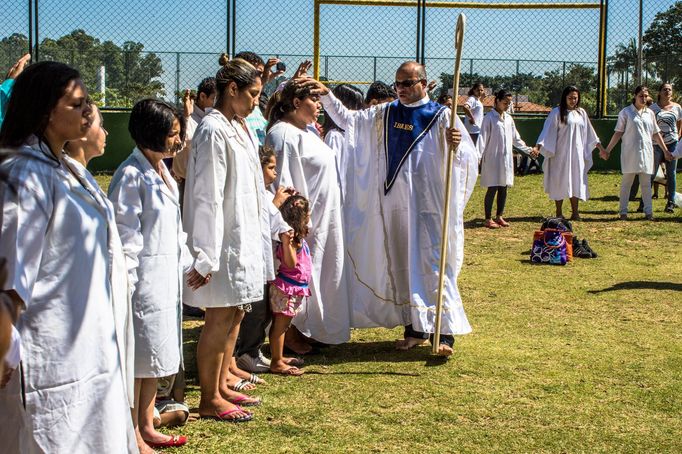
409 83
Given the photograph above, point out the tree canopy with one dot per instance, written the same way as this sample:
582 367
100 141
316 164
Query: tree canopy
131 73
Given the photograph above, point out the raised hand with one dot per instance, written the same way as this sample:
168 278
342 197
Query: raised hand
18 67
303 69
187 103
268 75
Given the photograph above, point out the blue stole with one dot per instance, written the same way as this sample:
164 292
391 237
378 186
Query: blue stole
404 127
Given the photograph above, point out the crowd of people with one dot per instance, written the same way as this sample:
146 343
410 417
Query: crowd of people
243 209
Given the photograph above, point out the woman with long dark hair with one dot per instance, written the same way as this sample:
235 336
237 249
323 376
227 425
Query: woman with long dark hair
306 163
567 141
56 237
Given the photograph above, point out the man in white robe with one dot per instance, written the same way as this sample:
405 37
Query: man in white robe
395 194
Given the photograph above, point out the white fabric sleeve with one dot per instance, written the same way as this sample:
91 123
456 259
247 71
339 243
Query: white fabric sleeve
622 122
127 200
549 136
483 136
26 213
207 198
337 111
655 123
517 141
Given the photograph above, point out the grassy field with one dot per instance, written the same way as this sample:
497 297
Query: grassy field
581 358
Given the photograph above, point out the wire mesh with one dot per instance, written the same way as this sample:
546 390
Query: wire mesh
133 48
661 23
14 18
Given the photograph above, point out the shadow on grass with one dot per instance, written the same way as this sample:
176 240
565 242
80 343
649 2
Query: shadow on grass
378 352
606 198
640 285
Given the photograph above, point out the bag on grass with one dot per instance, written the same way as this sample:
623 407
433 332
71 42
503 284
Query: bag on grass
550 246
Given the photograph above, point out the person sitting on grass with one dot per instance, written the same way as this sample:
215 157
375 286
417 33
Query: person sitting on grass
291 284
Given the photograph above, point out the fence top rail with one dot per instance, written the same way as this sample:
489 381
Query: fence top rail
473 5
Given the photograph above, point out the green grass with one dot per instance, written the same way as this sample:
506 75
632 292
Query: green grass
581 358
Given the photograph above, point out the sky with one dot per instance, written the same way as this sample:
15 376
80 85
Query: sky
351 35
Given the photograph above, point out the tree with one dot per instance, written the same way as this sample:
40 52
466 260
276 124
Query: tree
663 44
11 49
131 73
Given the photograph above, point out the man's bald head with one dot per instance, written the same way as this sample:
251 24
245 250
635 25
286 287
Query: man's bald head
415 69
410 81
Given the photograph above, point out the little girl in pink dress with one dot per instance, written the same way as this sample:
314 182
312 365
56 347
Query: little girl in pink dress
291 284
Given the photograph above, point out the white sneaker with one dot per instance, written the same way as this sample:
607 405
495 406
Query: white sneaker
250 364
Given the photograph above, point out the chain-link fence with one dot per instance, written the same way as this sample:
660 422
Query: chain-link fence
659 22
133 48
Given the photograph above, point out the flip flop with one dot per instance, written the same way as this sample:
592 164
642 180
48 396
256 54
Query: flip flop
174 442
223 416
255 379
242 385
241 400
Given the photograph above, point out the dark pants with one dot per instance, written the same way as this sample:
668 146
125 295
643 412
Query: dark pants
501 200
670 175
445 339
252 331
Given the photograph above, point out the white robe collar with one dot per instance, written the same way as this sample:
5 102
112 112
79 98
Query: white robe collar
421 102
151 172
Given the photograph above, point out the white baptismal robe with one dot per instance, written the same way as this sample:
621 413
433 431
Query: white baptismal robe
147 210
57 239
307 164
394 239
227 217
498 134
567 149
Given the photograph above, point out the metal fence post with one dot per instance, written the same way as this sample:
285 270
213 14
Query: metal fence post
177 77
326 67
563 75
374 73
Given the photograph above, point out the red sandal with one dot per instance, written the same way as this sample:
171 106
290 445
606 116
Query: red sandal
174 442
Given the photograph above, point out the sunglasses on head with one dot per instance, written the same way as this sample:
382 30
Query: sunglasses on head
409 83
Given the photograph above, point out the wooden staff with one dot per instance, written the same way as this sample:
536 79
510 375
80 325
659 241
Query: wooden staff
459 41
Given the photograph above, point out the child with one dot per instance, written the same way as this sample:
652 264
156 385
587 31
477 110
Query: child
291 284
497 135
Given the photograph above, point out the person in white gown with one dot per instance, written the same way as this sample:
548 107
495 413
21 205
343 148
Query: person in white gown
496 137
57 238
227 221
638 128
473 110
396 197
335 137
147 205
307 164
566 142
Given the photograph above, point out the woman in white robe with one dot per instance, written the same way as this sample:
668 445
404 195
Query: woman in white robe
227 221
566 142
638 128
57 240
309 165
146 200
498 135
335 137
473 110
